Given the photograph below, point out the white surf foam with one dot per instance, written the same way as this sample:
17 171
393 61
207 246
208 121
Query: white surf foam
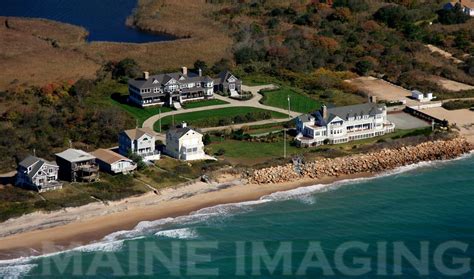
108 246
183 233
114 241
16 271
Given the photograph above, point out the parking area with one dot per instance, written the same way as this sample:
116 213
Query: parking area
463 118
406 121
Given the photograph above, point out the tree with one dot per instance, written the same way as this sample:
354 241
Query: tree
199 64
126 68
363 67
394 16
206 139
221 65
455 15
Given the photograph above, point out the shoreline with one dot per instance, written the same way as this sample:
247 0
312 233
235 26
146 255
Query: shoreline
45 233
90 230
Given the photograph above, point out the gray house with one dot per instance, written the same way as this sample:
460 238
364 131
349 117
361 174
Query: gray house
38 174
77 166
228 83
173 89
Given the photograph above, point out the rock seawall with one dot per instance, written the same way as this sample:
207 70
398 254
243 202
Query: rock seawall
374 162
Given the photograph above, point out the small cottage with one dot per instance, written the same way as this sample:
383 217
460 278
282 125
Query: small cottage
112 162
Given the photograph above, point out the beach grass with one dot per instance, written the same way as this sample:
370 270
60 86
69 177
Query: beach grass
299 101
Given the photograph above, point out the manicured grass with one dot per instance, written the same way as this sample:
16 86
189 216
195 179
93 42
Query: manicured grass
141 114
204 103
210 118
299 101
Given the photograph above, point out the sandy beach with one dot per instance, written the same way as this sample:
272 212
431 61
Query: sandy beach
75 227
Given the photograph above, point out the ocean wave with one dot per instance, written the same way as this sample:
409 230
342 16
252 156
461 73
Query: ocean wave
106 246
115 241
183 233
15 271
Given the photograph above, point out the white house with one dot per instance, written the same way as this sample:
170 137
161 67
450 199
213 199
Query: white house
38 174
112 162
419 96
140 141
185 143
342 124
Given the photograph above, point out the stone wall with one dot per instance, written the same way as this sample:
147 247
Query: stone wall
374 162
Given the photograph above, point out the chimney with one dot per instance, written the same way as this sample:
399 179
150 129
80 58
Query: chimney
324 111
373 99
200 72
184 124
184 71
146 75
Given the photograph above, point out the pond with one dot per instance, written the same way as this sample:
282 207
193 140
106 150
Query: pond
104 19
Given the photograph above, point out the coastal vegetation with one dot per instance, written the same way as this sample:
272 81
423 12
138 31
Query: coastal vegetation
15 201
458 104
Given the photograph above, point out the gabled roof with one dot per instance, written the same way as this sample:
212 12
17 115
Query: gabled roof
162 79
347 112
36 164
137 133
305 117
108 156
224 76
180 132
75 155
29 161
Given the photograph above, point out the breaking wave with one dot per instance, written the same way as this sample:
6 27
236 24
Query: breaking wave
184 233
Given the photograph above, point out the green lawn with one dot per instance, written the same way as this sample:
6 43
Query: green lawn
141 114
298 101
213 117
204 103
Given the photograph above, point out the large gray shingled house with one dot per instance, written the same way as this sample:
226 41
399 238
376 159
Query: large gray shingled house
38 174
173 89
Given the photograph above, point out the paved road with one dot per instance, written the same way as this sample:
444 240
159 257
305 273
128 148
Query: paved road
254 102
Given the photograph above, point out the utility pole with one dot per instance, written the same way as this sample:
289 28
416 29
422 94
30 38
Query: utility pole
284 143
289 111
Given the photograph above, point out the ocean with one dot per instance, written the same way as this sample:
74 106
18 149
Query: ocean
104 19
413 222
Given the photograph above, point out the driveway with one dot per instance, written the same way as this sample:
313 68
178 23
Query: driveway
254 102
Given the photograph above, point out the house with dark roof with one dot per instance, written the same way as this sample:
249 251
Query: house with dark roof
228 83
173 89
38 174
342 124
185 143
140 141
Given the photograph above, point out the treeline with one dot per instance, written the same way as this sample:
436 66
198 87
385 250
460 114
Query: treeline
351 35
48 119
